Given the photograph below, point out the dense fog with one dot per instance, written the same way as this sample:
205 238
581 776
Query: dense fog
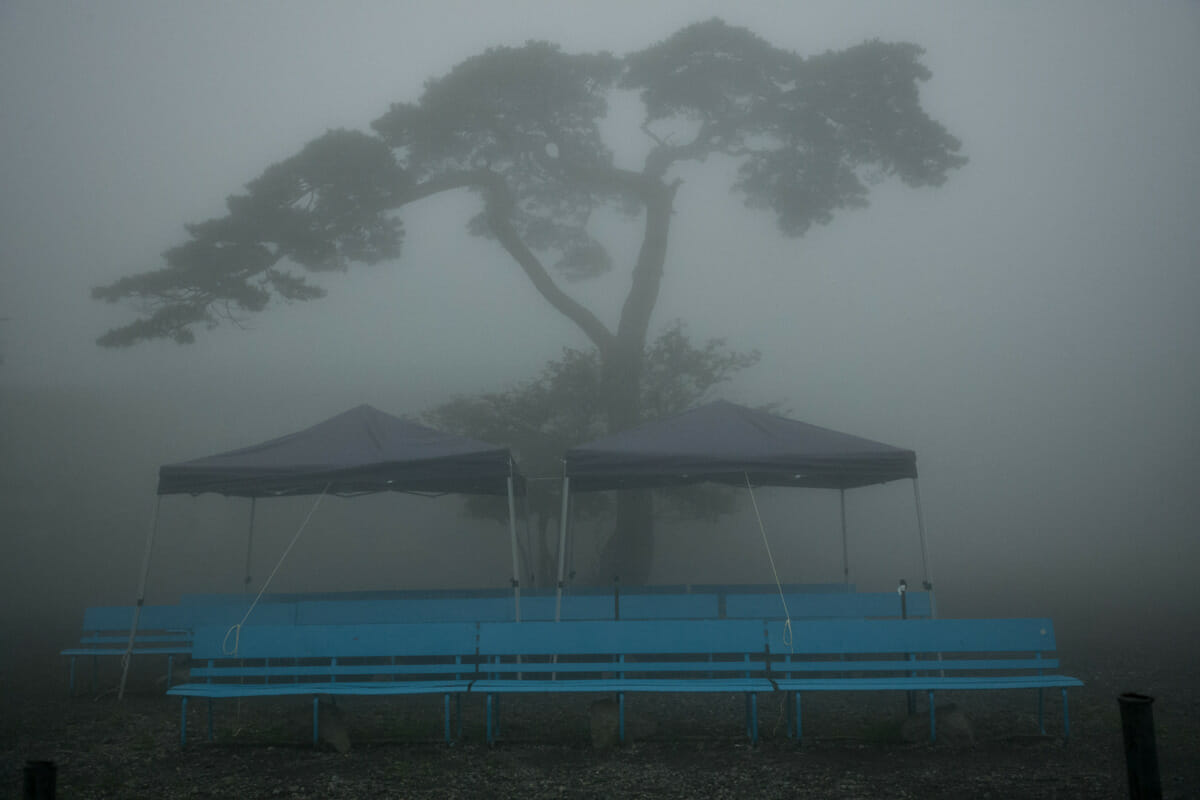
1030 328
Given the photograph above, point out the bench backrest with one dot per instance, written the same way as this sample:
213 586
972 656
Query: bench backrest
849 637
826 605
110 619
336 641
626 637
500 609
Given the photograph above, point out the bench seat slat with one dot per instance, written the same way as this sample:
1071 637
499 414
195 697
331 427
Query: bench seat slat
216 690
300 671
120 651
624 666
919 665
719 685
926 683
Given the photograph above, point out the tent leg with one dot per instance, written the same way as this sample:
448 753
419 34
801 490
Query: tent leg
141 600
562 546
516 565
249 547
845 545
928 573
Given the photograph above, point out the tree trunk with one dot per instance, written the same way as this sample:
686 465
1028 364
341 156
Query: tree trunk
629 551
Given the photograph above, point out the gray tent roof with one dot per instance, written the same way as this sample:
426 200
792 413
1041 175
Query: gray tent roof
724 442
360 451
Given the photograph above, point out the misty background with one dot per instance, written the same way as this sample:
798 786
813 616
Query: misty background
1030 329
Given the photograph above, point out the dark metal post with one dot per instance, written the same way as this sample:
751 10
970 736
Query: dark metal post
902 590
1141 753
40 779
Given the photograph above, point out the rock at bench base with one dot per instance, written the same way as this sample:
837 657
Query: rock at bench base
333 731
605 720
953 727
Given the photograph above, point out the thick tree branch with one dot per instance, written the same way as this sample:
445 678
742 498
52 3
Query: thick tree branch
498 204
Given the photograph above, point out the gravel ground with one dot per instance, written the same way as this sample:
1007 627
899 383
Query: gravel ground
680 747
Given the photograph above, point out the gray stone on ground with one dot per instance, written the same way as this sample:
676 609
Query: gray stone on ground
953 727
605 722
332 726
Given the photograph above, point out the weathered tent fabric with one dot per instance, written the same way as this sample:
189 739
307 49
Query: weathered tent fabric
360 451
724 442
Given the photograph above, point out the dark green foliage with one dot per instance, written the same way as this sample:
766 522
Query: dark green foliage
320 209
806 131
522 125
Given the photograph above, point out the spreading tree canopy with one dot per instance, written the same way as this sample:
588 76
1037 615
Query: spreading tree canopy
522 128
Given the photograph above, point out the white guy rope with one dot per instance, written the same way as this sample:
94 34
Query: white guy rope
236 630
787 625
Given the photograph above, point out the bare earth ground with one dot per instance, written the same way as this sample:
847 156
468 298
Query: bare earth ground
683 746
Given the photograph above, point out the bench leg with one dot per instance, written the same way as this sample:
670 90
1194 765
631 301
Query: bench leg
170 669
210 723
799 727
71 679
316 720
446 716
183 723
621 717
96 673
458 714
752 716
1066 718
932 720
1042 711
488 725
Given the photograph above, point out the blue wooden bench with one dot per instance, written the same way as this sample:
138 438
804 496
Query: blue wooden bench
915 655
715 656
164 630
373 659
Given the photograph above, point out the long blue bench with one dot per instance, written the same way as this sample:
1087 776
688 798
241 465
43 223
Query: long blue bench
163 630
928 655
749 657
166 630
755 656
374 659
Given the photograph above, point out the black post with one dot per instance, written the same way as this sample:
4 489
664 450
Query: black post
1141 753
40 777
902 590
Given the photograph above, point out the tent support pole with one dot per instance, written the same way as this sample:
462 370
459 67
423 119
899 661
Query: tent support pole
926 571
141 599
516 567
249 547
528 549
562 546
845 547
